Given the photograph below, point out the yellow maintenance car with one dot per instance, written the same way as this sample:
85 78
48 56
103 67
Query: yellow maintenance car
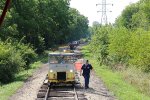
61 67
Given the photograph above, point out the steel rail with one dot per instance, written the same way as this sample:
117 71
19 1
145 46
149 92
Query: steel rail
47 94
76 95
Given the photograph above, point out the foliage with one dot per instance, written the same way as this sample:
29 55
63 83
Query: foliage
115 82
13 58
10 62
27 54
78 25
124 46
39 25
138 79
99 43
118 45
121 46
9 89
135 16
43 23
139 50
126 18
125 43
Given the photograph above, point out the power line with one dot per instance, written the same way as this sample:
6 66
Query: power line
104 11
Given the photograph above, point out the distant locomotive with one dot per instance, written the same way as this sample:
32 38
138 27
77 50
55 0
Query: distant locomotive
61 68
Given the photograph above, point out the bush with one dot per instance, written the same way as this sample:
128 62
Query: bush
10 62
139 49
130 47
27 53
118 45
99 44
13 58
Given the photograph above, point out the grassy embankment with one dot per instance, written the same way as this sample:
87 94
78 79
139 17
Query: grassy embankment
8 89
126 85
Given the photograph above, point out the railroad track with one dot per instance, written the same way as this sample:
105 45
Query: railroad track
60 93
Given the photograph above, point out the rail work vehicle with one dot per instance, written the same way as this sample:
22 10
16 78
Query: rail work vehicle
61 68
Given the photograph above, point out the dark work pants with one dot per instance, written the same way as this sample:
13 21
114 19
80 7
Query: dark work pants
86 79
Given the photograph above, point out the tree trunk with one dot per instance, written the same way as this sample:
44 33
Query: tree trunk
4 11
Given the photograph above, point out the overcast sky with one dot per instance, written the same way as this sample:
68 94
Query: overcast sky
89 8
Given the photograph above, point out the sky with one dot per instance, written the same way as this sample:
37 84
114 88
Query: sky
89 9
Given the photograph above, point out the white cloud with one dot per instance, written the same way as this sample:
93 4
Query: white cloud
89 8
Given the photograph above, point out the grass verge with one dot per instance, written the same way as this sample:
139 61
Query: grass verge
115 81
8 89
138 78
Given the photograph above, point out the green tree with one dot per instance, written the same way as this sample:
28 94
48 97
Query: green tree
99 43
118 47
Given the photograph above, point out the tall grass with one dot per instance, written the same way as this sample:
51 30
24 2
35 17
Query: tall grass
138 79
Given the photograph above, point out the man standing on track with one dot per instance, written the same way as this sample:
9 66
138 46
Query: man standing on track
85 70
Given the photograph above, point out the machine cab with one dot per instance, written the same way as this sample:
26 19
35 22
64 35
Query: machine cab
61 67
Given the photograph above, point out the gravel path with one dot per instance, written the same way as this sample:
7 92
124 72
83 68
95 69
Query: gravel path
31 86
97 90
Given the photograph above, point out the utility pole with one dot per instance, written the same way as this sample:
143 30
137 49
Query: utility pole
104 11
4 11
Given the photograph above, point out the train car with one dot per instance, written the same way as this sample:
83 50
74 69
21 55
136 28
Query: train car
65 49
61 68
62 48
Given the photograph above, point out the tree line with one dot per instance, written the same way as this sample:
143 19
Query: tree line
32 26
125 43
43 23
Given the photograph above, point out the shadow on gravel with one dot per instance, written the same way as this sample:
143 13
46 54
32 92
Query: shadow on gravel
93 91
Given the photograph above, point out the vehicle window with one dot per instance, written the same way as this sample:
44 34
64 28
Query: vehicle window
61 59
53 60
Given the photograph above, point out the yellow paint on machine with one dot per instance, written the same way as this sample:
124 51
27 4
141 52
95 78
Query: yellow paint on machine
52 77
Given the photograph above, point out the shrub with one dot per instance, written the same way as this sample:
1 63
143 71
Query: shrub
99 44
118 45
10 62
139 49
27 54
